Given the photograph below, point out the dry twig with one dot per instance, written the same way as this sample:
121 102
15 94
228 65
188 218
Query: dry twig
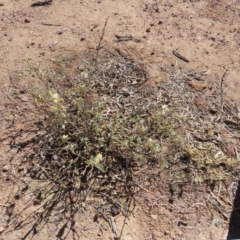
221 88
100 41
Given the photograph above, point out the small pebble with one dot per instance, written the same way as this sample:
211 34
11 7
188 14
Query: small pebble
24 99
17 197
27 20
6 168
8 178
25 188
21 168
82 38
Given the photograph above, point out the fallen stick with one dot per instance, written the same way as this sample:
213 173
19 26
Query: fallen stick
41 3
100 41
178 55
126 38
221 88
50 24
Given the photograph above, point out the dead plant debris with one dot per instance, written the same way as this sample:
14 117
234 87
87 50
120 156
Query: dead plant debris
101 128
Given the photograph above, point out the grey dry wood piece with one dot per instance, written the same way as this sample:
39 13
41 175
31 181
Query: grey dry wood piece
50 24
178 55
41 3
126 38
62 31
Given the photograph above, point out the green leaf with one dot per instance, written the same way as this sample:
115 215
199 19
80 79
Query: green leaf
95 162
98 158
99 166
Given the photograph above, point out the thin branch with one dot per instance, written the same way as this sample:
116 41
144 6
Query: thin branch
221 88
100 41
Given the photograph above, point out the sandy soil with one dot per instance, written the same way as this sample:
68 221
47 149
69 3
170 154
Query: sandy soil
205 32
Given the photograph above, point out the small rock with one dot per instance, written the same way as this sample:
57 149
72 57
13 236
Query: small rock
166 233
55 43
27 20
17 196
148 30
25 188
160 22
42 177
73 196
82 38
8 178
6 168
20 169
116 209
93 26
36 202
200 102
153 216
213 110
24 98
74 199
165 212
22 91
53 48
198 85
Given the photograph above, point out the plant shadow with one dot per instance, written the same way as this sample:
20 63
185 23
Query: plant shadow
234 224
